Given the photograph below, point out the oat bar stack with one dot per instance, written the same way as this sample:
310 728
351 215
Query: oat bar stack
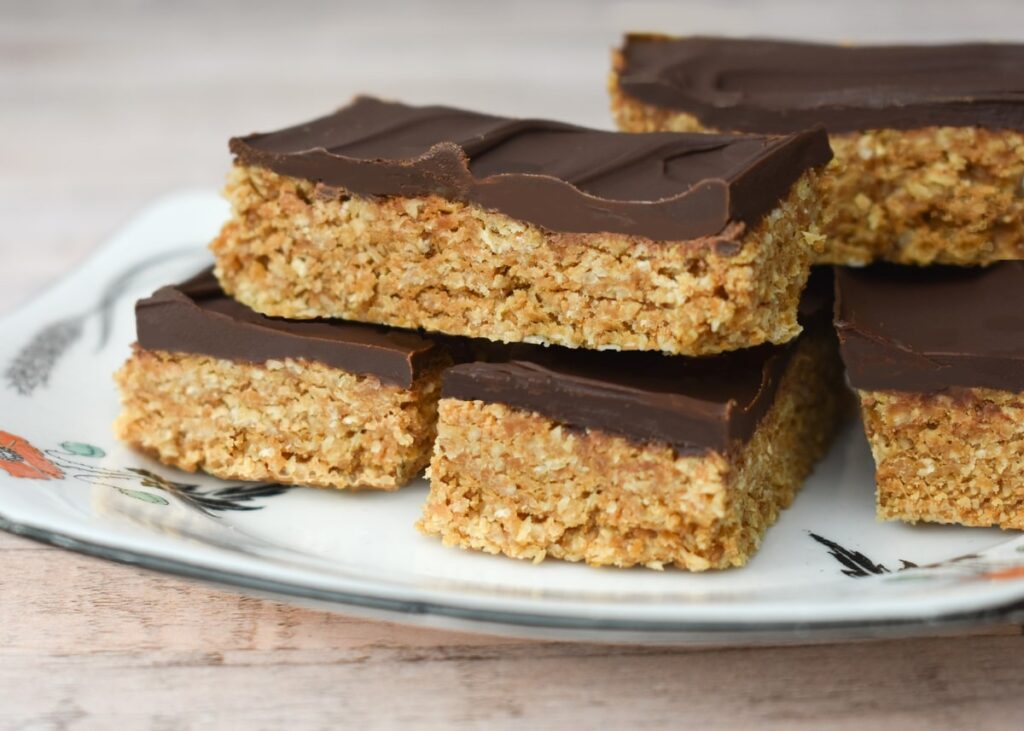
522 251
684 246
929 144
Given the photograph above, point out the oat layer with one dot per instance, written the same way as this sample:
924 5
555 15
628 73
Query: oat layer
291 421
294 250
935 195
515 482
948 457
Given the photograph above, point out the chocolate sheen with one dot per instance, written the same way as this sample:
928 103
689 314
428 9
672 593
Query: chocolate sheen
663 186
777 86
692 404
197 317
925 330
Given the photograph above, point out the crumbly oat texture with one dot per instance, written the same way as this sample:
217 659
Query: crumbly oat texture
509 481
935 195
948 457
294 250
291 421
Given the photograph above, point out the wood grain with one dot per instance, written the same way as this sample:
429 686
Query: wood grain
104 106
93 645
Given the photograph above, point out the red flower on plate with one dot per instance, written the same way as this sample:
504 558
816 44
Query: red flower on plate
20 459
1013 572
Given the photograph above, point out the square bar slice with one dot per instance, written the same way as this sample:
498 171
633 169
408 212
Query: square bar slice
524 230
928 140
937 358
623 459
212 385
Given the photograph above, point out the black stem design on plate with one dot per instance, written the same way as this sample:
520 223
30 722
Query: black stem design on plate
856 563
30 368
232 497
208 502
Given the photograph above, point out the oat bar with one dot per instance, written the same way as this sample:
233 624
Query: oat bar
524 230
928 140
937 358
626 459
211 385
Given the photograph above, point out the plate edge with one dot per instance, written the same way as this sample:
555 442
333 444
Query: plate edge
496 622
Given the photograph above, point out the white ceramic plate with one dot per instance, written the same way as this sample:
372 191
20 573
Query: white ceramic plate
827 570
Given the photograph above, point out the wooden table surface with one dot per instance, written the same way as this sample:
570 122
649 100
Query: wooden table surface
103 107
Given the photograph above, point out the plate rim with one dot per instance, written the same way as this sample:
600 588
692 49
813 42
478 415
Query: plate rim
491 621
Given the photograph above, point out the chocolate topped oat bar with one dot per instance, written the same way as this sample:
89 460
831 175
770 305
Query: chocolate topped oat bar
937 358
629 459
928 139
212 385
524 230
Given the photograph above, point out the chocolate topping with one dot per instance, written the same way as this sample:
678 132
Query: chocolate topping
923 330
197 317
775 86
693 404
664 186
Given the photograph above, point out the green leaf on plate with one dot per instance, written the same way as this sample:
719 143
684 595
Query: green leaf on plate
146 497
82 449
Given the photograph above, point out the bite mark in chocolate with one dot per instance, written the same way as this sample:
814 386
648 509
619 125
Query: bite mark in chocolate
769 86
664 186
197 317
